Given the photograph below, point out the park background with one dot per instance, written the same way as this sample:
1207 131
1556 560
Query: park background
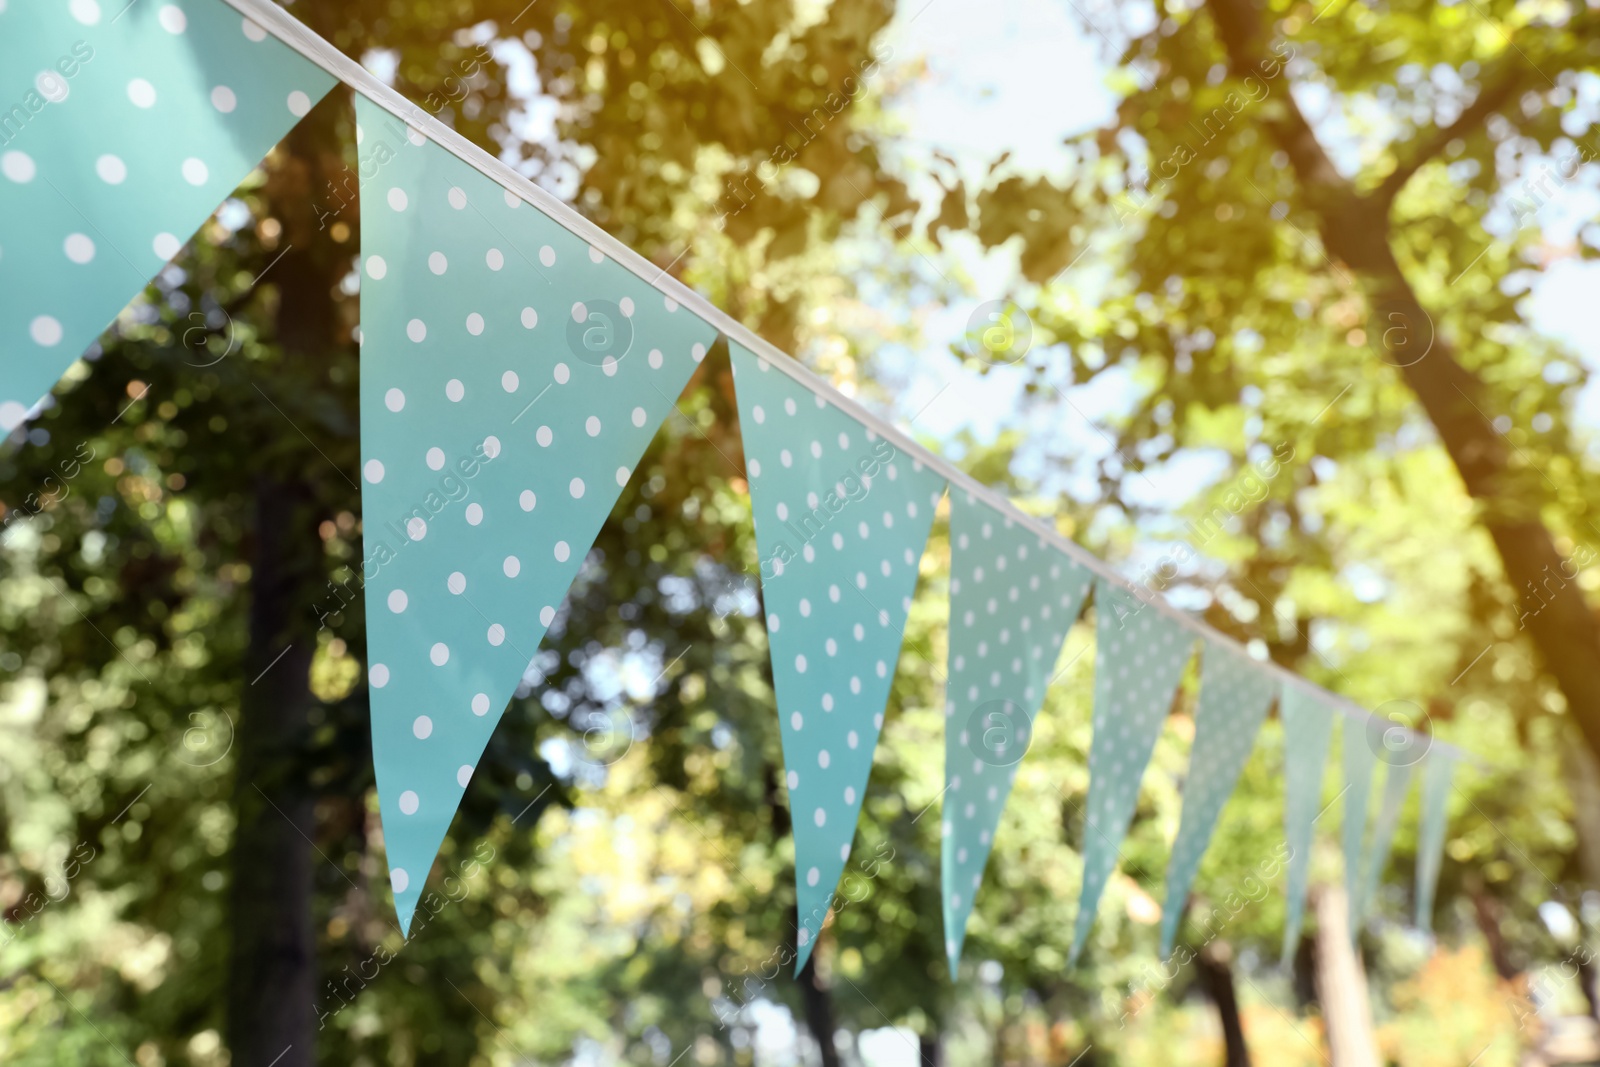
1182 210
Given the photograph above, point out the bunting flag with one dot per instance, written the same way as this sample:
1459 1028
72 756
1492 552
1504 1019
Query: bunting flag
1396 784
1358 762
1012 600
1234 696
1437 772
1307 733
128 124
1139 658
841 520
511 376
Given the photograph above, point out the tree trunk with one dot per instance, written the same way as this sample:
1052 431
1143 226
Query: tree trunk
819 1012
1355 228
271 992
929 1054
1486 910
1214 969
1341 983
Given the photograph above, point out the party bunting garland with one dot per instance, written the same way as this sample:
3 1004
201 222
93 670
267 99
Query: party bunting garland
1140 655
1234 698
131 124
1307 733
481 294
841 518
1012 600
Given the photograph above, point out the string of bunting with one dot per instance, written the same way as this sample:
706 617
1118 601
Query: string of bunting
516 362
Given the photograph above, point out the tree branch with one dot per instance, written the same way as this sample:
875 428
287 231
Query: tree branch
1494 92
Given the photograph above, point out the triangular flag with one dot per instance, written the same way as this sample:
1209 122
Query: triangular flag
130 124
511 376
1012 600
1358 760
1234 696
1436 775
841 519
1139 658
1307 733
1396 784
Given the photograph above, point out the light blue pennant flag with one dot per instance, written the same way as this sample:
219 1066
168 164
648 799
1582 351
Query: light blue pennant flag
1012 600
1358 759
1235 693
1307 734
841 519
1437 772
1396 784
511 376
1139 658
122 127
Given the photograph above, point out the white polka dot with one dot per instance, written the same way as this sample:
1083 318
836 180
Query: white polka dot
563 551
813 876
299 104
416 528
491 446
223 99
398 199
394 400
195 171
544 436
495 259
457 197
562 374
453 389
497 634
378 676
698 352
142 93
398 600
111 169
819 817
409 801
547 615
79 248
800 663
509 381
580 313
527 500
373 470
52 86
435 458
623 473
439 654
849 794
576 488
463 775
474 324
438 263
797 721
17 166
512 566
639 416
480 704
595 255
399 880
823 759
45 331
592 425
85 11
625 305
456 583
655 359
547 256
792 780
474 513
803 937
166 246
172 19
422 726
376 267
530 318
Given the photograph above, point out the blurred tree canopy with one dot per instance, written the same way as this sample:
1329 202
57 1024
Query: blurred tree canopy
193 869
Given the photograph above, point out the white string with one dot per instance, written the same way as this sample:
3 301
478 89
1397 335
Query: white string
297 36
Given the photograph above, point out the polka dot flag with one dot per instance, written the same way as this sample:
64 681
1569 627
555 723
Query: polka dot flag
1140 655
1307 732
511 376
1012 600
1234 696
841 519
1437 770
1358 762
1396 784
122 129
